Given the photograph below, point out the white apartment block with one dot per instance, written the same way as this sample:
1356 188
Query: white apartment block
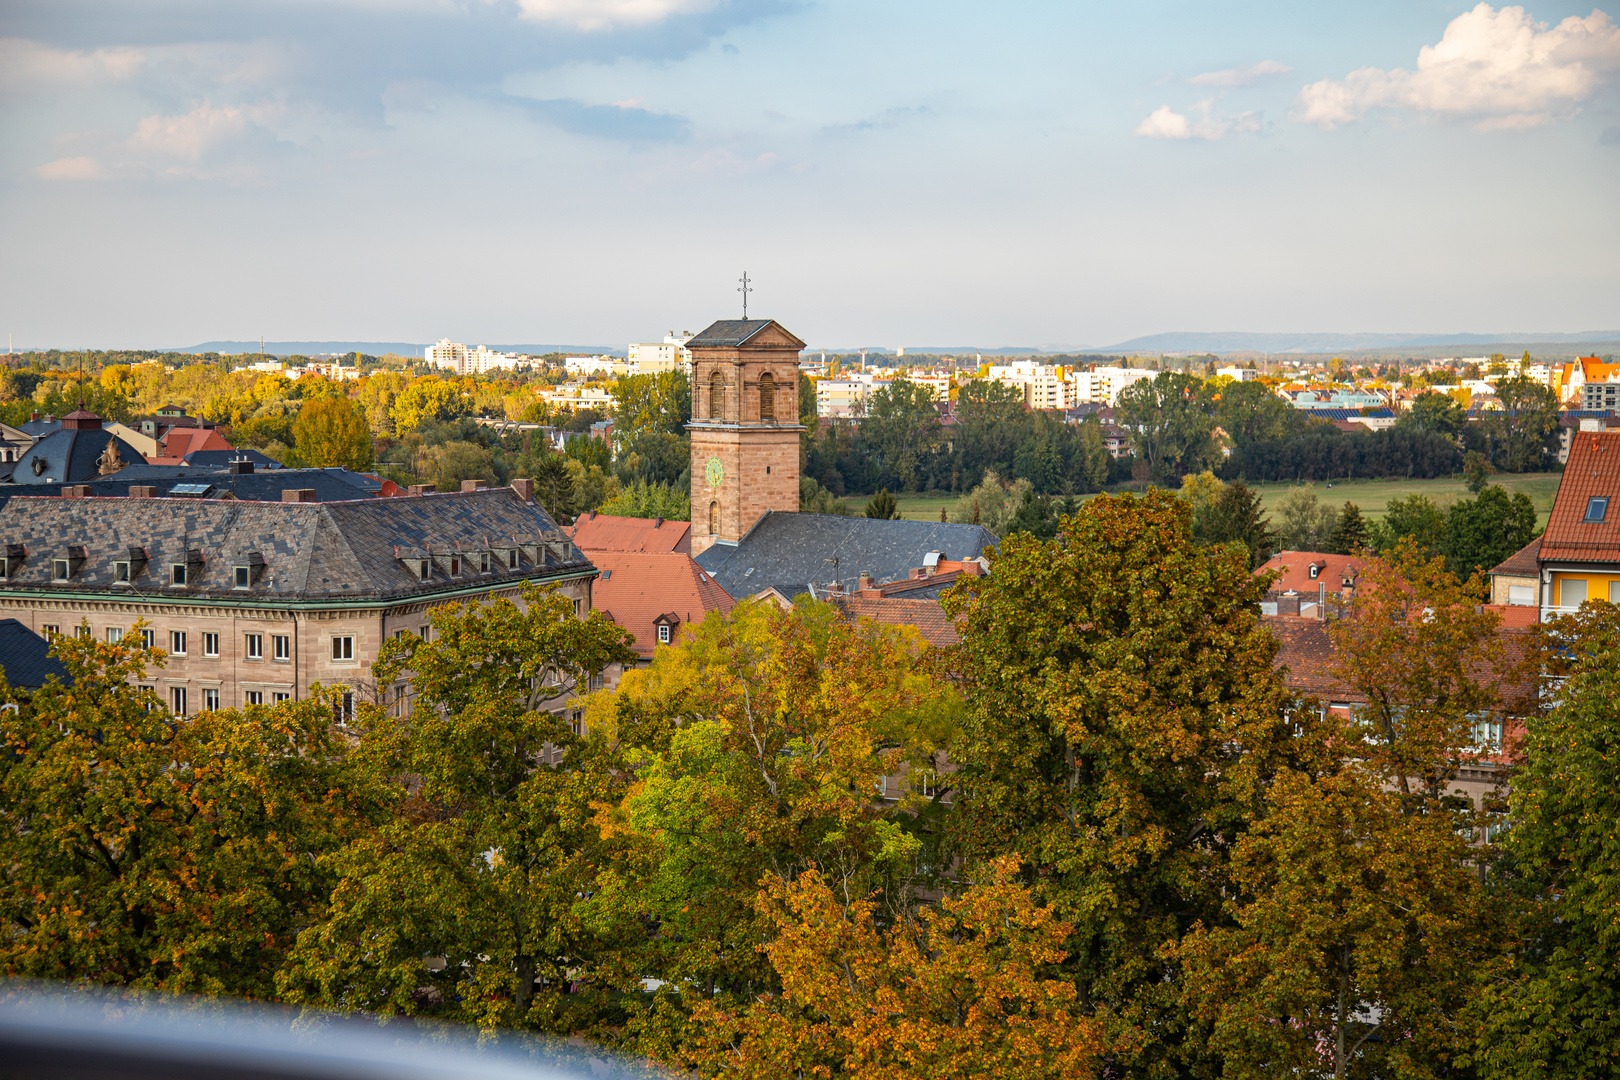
594 365
846 397
1241 374
476 361
1043 386
1103 384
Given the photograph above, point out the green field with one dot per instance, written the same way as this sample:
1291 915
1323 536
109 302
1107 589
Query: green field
1371 495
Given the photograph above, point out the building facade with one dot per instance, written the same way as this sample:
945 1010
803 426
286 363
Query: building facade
744 429
1579 557
256 602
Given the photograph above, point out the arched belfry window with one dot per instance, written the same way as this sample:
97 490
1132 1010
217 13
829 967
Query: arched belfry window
714 519
717 396
767 396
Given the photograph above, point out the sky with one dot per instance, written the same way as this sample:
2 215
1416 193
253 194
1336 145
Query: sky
888 172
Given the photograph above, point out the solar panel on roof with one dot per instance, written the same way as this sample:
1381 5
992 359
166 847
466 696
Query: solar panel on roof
190 489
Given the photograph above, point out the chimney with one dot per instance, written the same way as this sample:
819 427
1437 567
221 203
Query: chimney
473 485
76 491
420 489
142 491
658 523
866 580
298 495
241 467
524 489
33 417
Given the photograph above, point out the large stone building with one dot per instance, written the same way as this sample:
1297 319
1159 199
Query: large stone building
256 601
745 427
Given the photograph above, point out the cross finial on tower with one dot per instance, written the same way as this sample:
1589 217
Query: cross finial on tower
745 290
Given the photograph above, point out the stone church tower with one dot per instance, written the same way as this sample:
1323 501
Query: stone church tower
745 427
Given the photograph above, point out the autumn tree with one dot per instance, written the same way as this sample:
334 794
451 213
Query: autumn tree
484 867
1556 1011
761 744
332 433
1122 709
178 854
967 987
1172 423
1357 920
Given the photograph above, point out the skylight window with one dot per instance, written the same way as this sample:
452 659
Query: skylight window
1597 508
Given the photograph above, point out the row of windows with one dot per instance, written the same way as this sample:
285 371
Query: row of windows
180 574
180 641
180 699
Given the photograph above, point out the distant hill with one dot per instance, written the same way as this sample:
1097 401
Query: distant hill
1238 341
372 348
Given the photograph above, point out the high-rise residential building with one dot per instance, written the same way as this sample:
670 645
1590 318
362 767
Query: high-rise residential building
475 361
1103 384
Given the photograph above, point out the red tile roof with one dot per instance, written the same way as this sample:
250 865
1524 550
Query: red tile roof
1296 568
1521 563
1593 469
637 588
604 532
926 615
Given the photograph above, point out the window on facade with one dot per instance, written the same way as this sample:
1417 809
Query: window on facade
115 634
49 630
343 708
177 700
399 699
1315 571
663 634
1597 508
717 396
455 566
483 562
59 569
210 700
767 396
255 646
177 642
253 697
576 607
279 696
281 646
81 631
1572 593
343 648
179 573
244 577
714 519
512 559
148 639
210 644
401 635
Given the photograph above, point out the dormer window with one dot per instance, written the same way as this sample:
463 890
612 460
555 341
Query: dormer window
483 562
60 569
179 573
244 577
1315 572
455 566
424 568
120 573
1597 508
663 633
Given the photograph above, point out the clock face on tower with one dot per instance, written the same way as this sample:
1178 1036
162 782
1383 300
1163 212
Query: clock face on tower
714 472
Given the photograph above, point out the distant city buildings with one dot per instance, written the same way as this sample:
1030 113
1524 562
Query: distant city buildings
456 357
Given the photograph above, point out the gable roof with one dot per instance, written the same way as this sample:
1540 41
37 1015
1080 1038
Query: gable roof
735 333
24 657
326 552
607 532
926 615
796 553
1296 568
1521 563
1593 470
637 588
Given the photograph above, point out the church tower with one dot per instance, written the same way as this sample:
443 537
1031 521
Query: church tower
745 427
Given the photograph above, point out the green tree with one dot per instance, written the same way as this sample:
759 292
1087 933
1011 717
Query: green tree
660 402
1414 518
882 506
332 433
428 400
554 488
1304 523
1476 471
902 428
488 861
183 855
643 500
1172 424
1484 530
992 504
457 460
1522 435
1095 461
1234 515
1122 711
1435 411
1349 533
1556 1010
1250 412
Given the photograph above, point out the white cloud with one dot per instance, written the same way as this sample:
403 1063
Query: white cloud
1163 123
1241 76
27 65
191 135
1501 69
603 14
71 168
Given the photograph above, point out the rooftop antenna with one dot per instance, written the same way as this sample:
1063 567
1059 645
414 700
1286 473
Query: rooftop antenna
745 290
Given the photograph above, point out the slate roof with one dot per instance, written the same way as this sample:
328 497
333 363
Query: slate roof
1593 469
25 660
219 459
71 456
732 333
607 532
791 551
1521 563
329 485
312 551
636 587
